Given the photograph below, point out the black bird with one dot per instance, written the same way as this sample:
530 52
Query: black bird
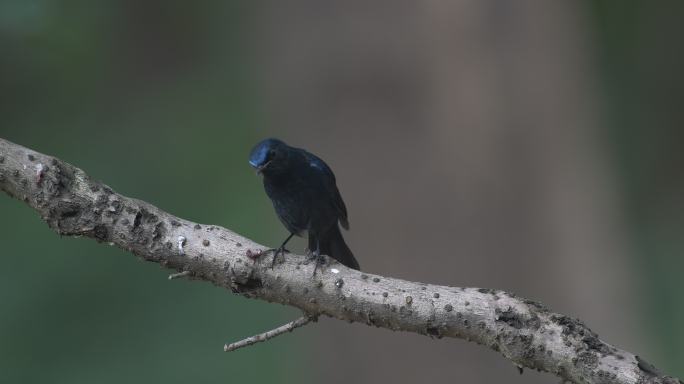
305 197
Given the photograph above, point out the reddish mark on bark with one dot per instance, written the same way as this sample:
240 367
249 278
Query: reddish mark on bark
40 171
254 255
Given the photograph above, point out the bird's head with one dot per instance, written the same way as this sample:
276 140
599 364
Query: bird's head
268 155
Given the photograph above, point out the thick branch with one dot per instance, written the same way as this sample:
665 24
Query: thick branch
523 331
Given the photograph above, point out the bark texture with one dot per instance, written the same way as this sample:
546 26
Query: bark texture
524 331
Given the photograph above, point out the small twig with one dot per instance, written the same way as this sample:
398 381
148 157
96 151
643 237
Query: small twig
178 275
289 327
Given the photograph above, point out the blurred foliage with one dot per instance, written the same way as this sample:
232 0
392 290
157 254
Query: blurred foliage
153 98
642 59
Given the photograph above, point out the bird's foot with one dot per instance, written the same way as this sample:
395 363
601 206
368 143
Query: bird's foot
276 251
318 259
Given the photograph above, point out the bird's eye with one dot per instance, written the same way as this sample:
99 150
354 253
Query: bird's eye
271 153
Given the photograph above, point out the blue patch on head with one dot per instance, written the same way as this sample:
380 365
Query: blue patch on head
259 155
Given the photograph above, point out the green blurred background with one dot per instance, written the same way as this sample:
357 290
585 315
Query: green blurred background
162 100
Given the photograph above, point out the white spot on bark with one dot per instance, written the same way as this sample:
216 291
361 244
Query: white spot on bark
181 243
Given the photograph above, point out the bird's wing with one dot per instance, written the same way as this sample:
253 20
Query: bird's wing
319 165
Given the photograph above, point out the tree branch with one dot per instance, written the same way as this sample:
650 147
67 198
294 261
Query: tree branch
524 331
289 327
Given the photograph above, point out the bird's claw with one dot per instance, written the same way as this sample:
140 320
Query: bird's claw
317 258
276 251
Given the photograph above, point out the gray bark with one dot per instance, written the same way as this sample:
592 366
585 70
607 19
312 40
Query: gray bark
524 331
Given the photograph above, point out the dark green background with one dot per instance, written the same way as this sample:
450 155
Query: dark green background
74 311
641 59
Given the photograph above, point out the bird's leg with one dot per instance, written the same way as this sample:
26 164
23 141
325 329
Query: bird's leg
280 249
316 256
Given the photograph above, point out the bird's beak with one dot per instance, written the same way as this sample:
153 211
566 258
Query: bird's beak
261 168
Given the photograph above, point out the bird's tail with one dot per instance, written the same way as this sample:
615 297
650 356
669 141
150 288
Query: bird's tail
332 244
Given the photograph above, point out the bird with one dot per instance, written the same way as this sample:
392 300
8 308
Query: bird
304 193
